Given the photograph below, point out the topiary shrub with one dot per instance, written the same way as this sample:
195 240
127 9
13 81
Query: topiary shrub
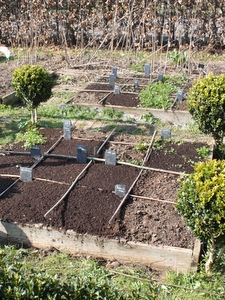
33 85
201 201
206 104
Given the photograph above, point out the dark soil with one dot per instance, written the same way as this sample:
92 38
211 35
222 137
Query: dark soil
175 156
92 202
123 99
97 87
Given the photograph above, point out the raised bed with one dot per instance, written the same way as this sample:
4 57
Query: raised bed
146 229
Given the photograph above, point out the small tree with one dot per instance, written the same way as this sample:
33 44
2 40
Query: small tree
201 201
206 104
33 85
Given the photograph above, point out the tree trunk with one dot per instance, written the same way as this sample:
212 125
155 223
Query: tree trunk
32 115
35 115
208 264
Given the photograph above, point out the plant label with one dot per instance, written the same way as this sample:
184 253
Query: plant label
160 77
120 190
136 83
110 157
180 95
201 66
116 89
81 154
67 129
35 152
166 134
147 70
111 79
26 174
114 70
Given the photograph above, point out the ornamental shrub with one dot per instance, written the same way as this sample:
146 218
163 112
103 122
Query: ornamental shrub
201 201
33 85
206 104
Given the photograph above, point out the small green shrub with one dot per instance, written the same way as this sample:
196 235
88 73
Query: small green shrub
156 95
201 201
206 104
33 85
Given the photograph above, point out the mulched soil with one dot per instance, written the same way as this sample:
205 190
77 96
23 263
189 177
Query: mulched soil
103 87
123 99
92 202
175 157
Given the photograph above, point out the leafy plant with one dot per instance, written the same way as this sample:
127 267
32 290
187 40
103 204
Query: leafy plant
178 58
112 113
201 201
156 95
33 85
31 137
158 145
206 104
141 147
203 151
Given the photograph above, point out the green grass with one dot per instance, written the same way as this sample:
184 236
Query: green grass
67 268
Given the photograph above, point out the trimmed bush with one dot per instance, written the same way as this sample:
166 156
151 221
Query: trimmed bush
206 104
33 85
201 201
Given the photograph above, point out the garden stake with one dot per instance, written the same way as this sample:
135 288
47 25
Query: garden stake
152 199
70 188
131 187
9 187
41 158
15 152
106 140
103 99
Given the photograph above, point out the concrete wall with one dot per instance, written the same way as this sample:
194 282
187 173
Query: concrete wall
163 257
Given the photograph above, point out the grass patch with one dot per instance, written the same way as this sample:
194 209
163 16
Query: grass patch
67 269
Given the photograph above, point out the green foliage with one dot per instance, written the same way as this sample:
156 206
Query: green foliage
201 201
204 151
206 104
177 57
33 84
141 147
31 138
15 284
111 113
156 95
139 67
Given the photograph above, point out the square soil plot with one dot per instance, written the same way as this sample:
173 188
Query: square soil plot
123 99
56 169
10 164
178 157
69 147
99 87
155 222
27 202
92 202
51 135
